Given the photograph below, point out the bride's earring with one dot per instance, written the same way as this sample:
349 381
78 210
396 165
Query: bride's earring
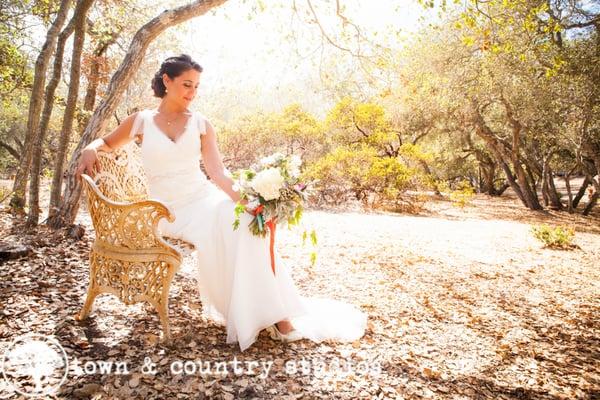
166 90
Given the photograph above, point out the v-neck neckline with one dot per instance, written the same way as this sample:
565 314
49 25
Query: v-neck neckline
163 133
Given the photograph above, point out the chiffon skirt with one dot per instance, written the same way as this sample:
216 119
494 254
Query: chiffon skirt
236 284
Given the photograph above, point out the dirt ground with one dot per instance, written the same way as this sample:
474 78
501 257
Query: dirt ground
462 303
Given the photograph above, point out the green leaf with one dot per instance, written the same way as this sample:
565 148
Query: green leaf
313 237
238 210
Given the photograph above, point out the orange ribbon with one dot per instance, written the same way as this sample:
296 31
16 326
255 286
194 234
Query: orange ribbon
271 224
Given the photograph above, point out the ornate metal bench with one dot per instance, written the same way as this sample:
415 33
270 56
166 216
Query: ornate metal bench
129 258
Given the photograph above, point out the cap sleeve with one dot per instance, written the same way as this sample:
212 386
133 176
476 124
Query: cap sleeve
201 123
138 124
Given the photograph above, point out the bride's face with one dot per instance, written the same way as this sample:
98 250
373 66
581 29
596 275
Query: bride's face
182 89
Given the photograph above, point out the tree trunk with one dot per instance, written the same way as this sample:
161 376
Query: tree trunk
595 154
570 208
118 83
581 192
19 144
35 104
527 186
545 197
94 76
488 171
502 151
79 16
427 170
483 131
591 203
555 202
501 189
591 169
506 168
549 192
33 217
533 178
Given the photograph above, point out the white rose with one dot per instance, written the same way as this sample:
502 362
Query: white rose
266 161
267 183
272 159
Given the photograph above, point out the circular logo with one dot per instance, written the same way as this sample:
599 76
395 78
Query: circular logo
34 365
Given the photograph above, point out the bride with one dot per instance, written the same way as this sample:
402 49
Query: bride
236 284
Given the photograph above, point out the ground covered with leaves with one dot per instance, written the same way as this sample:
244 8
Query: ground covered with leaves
462 303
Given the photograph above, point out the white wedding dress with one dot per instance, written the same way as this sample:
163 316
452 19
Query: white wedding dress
236 284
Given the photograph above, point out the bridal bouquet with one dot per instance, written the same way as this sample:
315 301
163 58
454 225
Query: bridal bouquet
275 194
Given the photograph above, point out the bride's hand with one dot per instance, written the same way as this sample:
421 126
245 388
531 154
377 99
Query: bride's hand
249 208
88 163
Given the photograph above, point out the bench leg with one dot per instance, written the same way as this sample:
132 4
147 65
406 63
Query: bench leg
163 314
87 306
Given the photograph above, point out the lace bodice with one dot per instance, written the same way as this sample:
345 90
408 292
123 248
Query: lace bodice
172 167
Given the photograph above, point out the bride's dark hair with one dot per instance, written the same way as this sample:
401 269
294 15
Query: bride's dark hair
173 67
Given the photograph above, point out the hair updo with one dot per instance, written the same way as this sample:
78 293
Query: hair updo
173 67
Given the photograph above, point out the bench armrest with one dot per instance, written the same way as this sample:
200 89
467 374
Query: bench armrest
131 225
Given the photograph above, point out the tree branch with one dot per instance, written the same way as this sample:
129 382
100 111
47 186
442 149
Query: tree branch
10 150
325 35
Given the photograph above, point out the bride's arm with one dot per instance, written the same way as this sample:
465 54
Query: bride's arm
214 165
88 162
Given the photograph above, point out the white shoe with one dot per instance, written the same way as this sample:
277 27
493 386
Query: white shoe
291 336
